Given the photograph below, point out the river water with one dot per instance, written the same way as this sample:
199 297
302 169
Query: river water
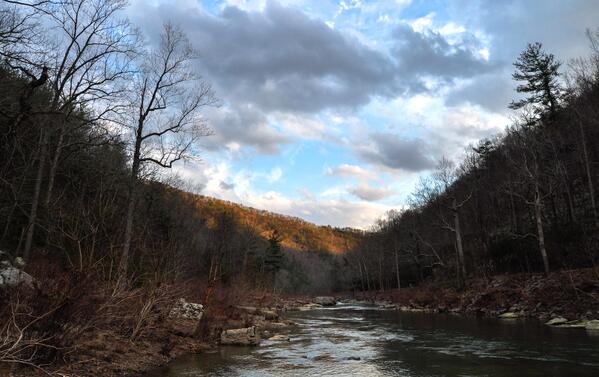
350 340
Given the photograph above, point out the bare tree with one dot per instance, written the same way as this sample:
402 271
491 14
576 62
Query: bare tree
92 54
525 144
167 99
437 190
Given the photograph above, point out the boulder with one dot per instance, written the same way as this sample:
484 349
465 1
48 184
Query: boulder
311 306
556 321
592 325
247 336
576 324
269 315
11 273
510 315
11 277
325 301
274 326
280 338
187 310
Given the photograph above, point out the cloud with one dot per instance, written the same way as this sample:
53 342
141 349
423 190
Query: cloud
369 193
227 186
278 58
492 91
429 54
218 180
350 171
243 126
335 212
394 152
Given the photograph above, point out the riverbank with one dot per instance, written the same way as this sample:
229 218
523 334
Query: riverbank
108 351
569 295
572 295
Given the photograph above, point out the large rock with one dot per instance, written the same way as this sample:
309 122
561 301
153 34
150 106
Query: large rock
325 301
248 336
582 324
11 273
279 338
510 315
187 310
310 306
11 277
269 314
592 325
556 321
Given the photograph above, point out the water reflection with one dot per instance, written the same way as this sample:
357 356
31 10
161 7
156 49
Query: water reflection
365 341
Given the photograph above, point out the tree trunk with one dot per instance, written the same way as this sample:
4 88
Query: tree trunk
381 286
132 198
36 195
458 240
367 276
361 277
587 166
397 269
54 166
540 234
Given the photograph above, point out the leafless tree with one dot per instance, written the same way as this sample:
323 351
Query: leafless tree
167 99
91 54
534 178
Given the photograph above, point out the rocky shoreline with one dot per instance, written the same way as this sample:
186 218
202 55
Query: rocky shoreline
567 299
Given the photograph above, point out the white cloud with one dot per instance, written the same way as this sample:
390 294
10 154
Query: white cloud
350 171
369 193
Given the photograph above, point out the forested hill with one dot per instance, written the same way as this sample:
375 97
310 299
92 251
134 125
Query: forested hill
294 233
521 202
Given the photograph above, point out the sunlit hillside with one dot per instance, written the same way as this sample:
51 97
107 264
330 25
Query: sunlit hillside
295 233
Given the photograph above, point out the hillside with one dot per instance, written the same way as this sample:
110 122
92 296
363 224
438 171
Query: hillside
295 233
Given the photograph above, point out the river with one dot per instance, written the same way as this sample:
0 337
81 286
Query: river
355 340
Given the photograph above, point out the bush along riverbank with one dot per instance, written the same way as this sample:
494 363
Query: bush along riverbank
130 332
563 298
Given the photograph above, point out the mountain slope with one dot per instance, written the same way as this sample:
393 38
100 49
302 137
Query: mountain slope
295 233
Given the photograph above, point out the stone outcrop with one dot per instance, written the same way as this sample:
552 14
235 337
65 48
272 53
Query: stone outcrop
280 338
556 321
269 315
247 336
310 306
11 272
187 310
510 315
325 301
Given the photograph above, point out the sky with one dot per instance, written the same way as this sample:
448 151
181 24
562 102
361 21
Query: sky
332 110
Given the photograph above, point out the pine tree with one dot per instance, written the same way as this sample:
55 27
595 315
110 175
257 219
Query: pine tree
273 259
539 71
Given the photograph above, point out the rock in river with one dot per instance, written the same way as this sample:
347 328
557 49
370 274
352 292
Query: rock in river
556 321
279 337
325 301
247 336
510 315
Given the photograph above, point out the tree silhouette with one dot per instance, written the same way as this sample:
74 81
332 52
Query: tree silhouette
539 71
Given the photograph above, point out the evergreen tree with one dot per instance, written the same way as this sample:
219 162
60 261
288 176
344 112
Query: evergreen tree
539 71
273 259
